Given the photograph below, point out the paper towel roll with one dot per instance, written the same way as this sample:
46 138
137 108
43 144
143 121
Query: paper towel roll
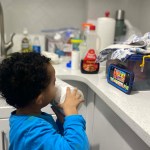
61 91
106 30
75 60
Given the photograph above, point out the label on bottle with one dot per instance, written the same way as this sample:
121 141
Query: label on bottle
25 45
37 49
90 65
91 55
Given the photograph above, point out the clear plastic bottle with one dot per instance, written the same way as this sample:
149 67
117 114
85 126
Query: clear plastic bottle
83 36
93 40
90 40
36 45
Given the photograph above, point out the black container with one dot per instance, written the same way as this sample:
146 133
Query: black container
141 78
89 67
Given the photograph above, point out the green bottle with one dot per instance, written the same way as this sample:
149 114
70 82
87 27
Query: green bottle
120 29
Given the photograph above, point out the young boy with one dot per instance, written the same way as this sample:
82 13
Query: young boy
27 82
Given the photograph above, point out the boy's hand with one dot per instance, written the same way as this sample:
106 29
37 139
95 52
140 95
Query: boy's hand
71 103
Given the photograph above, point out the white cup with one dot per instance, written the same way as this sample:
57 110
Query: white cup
61 92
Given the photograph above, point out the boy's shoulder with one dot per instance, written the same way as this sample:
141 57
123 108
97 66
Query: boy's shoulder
28 121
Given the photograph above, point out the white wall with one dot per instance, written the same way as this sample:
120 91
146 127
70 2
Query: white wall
144 16
97 8
42 14
46 14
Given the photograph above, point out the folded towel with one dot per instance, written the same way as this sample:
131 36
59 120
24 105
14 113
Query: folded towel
134 45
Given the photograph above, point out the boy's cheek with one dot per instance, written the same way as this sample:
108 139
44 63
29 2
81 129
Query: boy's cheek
53 92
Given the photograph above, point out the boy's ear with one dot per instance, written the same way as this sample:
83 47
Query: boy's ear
39 100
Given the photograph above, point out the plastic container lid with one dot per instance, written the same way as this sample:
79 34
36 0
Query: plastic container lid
137 57
107 13
25 31
120 14
86 25
89 25
92 27
76 41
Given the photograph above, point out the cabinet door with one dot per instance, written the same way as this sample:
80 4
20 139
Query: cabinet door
110 132
4 134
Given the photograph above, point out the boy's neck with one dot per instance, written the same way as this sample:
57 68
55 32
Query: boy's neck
30 110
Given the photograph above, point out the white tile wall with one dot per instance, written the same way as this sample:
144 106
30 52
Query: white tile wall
42 14
144 16
97 8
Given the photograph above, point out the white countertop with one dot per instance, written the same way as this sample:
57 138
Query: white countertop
133 109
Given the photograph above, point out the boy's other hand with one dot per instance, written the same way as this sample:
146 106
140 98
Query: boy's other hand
71 103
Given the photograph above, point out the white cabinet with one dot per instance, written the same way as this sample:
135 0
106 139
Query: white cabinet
104 128
4 134
110 132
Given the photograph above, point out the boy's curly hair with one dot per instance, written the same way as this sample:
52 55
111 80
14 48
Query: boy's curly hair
23 76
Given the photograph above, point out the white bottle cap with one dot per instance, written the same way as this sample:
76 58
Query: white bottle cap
25 31
57 36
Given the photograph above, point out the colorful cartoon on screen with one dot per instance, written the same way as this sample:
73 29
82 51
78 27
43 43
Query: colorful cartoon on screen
119 75
119 78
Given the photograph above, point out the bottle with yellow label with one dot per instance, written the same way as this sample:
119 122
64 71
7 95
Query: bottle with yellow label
25 45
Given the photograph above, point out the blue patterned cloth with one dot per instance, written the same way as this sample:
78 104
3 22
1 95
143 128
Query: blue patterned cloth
134 45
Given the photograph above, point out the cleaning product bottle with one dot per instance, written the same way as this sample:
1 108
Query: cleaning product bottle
93 40
25 42
36 45
83 37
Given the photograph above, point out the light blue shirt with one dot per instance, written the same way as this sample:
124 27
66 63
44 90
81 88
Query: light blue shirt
43 133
